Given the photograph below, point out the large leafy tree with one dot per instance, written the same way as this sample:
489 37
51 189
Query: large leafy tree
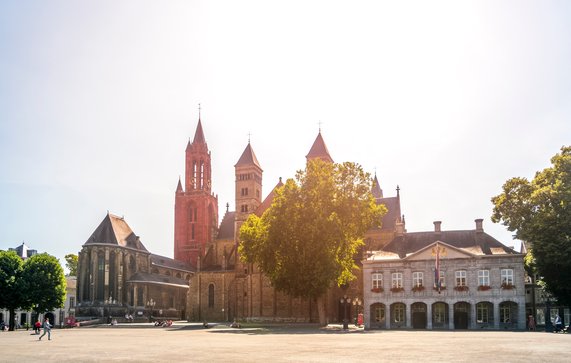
71 264
308 239
11 292
44 282
539 211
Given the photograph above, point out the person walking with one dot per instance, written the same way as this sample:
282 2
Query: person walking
47 329
531 323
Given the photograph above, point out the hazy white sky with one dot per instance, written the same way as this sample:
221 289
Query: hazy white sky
447 99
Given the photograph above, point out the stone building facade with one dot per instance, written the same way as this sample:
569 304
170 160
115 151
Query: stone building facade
481 282
117 276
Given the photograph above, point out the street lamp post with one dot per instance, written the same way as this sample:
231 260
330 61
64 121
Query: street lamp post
357 304
151 304
345 303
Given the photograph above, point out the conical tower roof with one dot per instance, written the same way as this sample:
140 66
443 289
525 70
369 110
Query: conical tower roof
376 190
248 158
319 150
199 134
179 186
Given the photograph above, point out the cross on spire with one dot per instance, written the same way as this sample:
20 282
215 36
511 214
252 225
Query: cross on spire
199 108
319 123
249 135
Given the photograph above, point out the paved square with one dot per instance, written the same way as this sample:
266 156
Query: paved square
190 342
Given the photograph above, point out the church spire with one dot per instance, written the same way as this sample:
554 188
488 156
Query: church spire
199 134
319 149
179 186
376 190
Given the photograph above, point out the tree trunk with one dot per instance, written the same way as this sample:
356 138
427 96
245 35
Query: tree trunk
11 319
321 310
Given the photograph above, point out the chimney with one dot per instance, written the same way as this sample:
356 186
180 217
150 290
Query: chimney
479 227
437 226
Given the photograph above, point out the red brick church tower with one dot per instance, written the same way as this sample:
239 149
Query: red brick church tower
196 207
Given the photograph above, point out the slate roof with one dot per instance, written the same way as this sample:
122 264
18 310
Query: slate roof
23 251
114 230
393 215
269 199
476 242
163 261
144 277
319 150
376 189
248 158
226 230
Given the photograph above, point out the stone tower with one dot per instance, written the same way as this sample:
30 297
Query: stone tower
248 185
196 207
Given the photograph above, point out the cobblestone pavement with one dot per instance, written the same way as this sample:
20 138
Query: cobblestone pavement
184 342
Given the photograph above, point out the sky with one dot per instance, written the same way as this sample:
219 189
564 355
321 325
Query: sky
98 99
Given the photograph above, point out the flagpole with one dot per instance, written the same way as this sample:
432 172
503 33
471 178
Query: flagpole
437 269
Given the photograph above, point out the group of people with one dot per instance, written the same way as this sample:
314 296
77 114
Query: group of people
47 328
163 323
557 324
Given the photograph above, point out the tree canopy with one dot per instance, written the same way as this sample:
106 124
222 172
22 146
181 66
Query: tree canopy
44 282
308 239
71 264
11 292
540 214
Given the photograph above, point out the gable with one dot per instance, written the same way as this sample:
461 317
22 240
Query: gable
446 252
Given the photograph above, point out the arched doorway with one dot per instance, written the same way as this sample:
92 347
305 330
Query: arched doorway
461 315
398 315
508 314
440 315
485 314
378 316
418 315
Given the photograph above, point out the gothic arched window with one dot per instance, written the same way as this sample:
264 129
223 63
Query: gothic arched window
211 295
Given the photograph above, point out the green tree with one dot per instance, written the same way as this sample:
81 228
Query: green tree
539 211
71 264
308 239
11 292
44 281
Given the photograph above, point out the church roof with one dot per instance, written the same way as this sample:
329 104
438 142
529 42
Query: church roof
473 241
376 190
168 262
199 134
319 150
248 157
144 277
393 215
269 199
226 230
23 251
114 230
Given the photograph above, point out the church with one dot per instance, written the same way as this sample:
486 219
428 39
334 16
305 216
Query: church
223 288
207 281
